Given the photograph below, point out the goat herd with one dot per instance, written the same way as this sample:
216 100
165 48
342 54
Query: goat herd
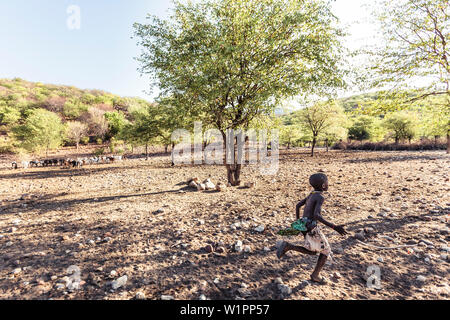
66 163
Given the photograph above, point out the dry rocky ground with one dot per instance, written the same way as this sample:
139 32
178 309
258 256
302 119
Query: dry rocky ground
134 230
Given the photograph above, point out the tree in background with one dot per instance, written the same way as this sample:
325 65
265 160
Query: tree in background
96 121
361 128
401 126
416 47
42 130
116 123
320 119
290 134
8 116
75 131
228 61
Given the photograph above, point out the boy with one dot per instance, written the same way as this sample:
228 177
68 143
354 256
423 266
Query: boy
315 240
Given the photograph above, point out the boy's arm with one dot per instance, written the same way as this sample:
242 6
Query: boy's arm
318 217
297 208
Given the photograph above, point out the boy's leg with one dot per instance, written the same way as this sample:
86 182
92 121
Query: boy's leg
320 263
286 246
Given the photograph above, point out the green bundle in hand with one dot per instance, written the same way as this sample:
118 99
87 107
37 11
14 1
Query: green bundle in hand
296 228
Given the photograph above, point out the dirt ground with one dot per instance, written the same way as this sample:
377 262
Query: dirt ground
138 219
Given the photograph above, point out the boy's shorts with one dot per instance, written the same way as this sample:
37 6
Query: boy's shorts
316 241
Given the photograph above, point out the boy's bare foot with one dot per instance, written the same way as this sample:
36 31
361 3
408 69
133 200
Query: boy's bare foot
282 249
317 279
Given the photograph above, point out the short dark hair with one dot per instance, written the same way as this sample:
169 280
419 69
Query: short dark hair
317 180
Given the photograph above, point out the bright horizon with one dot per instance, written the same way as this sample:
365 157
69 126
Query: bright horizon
38 46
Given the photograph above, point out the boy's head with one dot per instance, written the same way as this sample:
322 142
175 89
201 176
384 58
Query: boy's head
319 182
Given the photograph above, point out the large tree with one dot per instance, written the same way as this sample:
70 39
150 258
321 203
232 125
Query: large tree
226 62
415 52
42 130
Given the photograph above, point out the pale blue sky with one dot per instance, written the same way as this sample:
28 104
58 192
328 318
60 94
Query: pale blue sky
37 45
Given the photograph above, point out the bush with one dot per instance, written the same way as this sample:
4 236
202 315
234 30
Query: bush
99 152
85 140
99 141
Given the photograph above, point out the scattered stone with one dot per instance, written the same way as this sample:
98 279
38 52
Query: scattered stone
380 259
221 187
116 284
244 292
247 249
209 248
203 297
250 185
260 229
421 279
284 289
360 236
167 297
238 246
140 295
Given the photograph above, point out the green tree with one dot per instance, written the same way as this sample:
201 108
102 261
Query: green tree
289 135
42 130
401 126
416 34
116 123
228 61
361 128
320 120
8 115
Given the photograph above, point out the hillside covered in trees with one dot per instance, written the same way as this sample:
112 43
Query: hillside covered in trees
69 115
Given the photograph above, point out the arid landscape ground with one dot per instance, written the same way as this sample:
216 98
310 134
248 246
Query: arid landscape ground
139 219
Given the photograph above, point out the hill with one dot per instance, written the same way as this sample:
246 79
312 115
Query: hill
18 97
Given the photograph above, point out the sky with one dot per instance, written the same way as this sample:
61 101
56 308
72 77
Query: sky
40 40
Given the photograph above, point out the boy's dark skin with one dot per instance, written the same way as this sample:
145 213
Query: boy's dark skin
312 211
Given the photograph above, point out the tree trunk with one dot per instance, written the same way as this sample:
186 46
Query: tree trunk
78 145
166 148
326 141
234 174
436 142
313 145
448 142
146 151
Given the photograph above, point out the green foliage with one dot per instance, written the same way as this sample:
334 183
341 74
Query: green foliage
231 51
42 130
74 109
116 122
361 128
8 115
401 126
98 152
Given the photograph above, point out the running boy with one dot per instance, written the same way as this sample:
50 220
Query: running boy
315 240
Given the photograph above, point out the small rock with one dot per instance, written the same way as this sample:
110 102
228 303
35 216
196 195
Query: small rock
380 259
284 289
360 236
202 297
140 295
260 229
116 284
247 249
421 278
167 297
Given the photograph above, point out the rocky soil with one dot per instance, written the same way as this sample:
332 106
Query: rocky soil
135 230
